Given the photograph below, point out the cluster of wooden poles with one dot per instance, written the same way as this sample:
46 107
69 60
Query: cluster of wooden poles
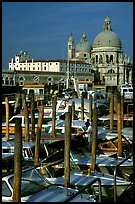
68 119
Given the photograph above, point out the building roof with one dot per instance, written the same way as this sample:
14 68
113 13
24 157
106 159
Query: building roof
57 60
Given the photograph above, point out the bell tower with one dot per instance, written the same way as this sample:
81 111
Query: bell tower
71 49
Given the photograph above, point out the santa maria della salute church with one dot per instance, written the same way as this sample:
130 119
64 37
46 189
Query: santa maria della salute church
103 63
105 57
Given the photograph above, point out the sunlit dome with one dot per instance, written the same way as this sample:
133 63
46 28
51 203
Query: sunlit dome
107 38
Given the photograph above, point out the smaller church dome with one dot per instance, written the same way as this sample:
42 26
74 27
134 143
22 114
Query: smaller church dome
83 45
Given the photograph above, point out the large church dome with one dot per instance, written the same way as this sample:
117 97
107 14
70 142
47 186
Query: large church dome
107 38
83 45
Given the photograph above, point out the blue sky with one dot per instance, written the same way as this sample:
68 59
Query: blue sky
43 28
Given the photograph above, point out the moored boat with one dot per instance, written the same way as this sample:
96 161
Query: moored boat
35 188
81 156
22 117
54 172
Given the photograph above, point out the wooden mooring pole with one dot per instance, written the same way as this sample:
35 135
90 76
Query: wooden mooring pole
7 117
17 106
82 107
70 111
32 116
38 135
17 161
94 137
54 103
26 115
73 110
90 107
111 110
67 149
122 111
119 126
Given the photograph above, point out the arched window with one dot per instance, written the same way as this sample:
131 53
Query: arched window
6 80
100 59
96 58
11 81
107 58
21 80
111 58
50 80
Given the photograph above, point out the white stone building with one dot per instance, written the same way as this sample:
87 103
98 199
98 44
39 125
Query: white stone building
72 66
44 71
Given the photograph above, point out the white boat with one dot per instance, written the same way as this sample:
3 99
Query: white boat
28 150
46 118
107 183
104 164
81 156
35 188
79 178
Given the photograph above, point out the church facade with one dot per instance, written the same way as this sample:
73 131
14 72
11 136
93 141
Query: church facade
105 57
